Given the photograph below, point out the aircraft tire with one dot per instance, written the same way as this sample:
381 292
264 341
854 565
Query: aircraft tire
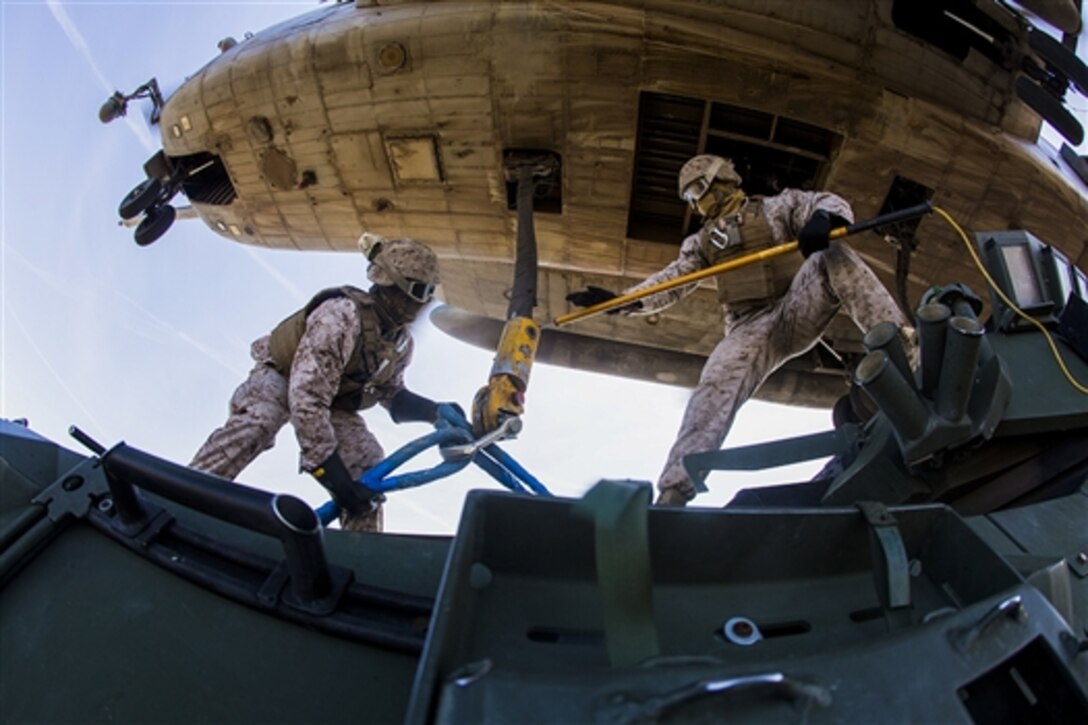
157 220
141 198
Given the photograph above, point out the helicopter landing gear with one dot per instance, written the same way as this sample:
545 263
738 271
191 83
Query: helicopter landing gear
140 199
151 198
157 219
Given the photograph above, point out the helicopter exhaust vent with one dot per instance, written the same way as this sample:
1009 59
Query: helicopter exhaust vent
668 135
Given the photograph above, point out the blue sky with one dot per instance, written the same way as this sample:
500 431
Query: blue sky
146 345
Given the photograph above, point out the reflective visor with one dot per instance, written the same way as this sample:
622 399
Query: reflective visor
419 291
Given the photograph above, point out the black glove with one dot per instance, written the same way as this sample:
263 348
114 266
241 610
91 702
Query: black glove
591 296
406 406
815 235
349 494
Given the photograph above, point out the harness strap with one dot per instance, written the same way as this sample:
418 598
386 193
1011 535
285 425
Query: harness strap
619 511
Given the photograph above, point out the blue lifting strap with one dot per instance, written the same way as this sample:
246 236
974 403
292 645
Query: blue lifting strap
451 429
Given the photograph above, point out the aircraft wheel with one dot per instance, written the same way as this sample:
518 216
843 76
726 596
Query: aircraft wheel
157 220
141 198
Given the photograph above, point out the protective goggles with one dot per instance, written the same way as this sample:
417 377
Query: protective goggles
695 191
418 291
371 246
698 187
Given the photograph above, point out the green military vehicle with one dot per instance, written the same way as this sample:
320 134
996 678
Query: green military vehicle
936 570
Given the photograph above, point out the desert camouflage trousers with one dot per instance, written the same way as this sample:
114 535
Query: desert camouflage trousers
258 410
758 341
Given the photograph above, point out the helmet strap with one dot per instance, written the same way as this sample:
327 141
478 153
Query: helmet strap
398 279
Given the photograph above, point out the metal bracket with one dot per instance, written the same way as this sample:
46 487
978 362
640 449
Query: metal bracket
631 707
963 638
761 456
541 164
74 493
509 428
891 568
158 520
1079 563
275 589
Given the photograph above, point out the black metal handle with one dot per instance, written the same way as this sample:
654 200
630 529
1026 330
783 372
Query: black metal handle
900 215
285 517
90 443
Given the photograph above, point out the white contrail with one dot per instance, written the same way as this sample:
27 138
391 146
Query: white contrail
100 429
181 335
422 512
162 324
299 296
60 14
64 20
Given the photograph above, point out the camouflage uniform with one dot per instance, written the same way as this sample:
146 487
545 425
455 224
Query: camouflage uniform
760 338
267 400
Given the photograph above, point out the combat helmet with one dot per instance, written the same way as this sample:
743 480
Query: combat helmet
407 263
699 174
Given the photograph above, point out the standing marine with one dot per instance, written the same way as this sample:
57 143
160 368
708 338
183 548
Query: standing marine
773 313
342 353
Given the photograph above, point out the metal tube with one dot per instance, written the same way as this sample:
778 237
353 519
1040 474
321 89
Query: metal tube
305 550
25 547
732 264
885 336
20 524
961 307
958 365
278 516
231 502
126 502
896 398
892 217
932 327
727 266
91 444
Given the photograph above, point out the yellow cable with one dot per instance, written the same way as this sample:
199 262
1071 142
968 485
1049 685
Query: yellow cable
1012 306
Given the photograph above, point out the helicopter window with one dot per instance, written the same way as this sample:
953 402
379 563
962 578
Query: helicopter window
770 152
